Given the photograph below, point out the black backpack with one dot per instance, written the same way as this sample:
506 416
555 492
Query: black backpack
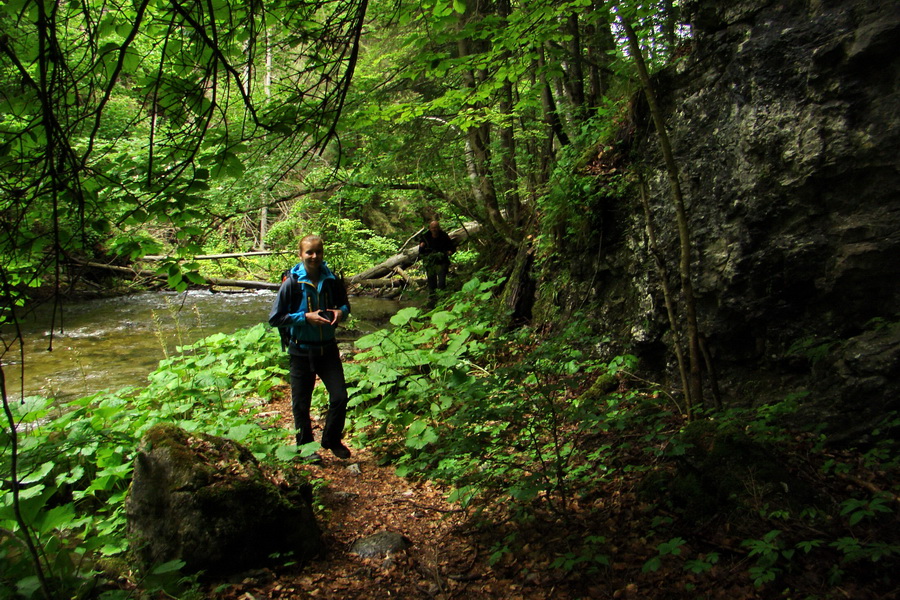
296 298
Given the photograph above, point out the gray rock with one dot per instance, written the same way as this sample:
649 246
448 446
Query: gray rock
206 500
383 543
785 124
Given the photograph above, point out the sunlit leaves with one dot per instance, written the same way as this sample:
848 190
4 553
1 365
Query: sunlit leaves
108 111
420 434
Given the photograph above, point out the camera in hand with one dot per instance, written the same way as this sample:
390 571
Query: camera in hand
327 314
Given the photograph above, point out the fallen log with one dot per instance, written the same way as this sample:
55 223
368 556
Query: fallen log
376 277
404 259
410 255
156 257
386 282
379 283
211 281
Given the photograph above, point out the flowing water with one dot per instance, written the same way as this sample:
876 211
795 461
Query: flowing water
110 343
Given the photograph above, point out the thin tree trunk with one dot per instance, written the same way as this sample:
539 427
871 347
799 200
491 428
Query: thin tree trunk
667 295
478 144
551 115
263 227
14 484
575 81
687 288
669 16
510 176
267 90
510 170
600 42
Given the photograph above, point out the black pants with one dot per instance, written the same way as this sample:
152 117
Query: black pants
437 276
303 379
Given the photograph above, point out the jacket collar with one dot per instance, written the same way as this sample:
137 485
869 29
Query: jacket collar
300 271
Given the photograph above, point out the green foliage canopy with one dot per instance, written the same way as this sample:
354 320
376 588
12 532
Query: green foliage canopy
115 116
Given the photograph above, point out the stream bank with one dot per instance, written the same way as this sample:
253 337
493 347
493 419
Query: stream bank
109 343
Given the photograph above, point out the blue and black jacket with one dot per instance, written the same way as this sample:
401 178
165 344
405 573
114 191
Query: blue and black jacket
298 296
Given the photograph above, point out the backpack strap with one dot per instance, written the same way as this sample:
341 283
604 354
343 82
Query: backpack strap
296 294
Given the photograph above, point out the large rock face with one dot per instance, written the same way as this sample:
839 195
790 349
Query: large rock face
785 123
206 501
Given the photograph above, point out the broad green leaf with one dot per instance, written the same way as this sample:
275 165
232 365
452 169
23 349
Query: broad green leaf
404 316
168 567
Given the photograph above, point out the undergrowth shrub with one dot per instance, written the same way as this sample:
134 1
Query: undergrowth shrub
428 394
533 435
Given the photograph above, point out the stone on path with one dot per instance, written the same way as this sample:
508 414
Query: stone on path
380 544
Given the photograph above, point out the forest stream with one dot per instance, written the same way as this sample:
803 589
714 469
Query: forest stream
111 343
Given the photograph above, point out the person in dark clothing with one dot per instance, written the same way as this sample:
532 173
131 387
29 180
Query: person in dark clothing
435 249
311 302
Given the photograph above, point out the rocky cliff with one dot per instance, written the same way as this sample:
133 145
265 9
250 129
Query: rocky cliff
785 123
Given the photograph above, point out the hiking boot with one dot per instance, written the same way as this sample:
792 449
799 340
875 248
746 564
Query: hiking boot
338 449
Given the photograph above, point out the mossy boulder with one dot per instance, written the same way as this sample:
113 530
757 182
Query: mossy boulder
207 501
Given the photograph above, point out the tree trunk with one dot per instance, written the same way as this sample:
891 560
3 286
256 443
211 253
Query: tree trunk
667 293
479 143
509 187
575 80
131 273
156 257
696 381
670 17
263 227
518 293
551 114
600 42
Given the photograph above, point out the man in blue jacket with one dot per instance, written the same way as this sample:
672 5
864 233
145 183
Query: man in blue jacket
311 302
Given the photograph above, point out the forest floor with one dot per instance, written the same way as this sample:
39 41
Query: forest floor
450 556
445 559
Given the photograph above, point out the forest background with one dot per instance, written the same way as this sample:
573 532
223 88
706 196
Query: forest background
183 129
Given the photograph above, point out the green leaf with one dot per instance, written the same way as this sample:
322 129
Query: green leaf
442 318
241 432
168 567
420 434
404 316
286 453
652 565
58 517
